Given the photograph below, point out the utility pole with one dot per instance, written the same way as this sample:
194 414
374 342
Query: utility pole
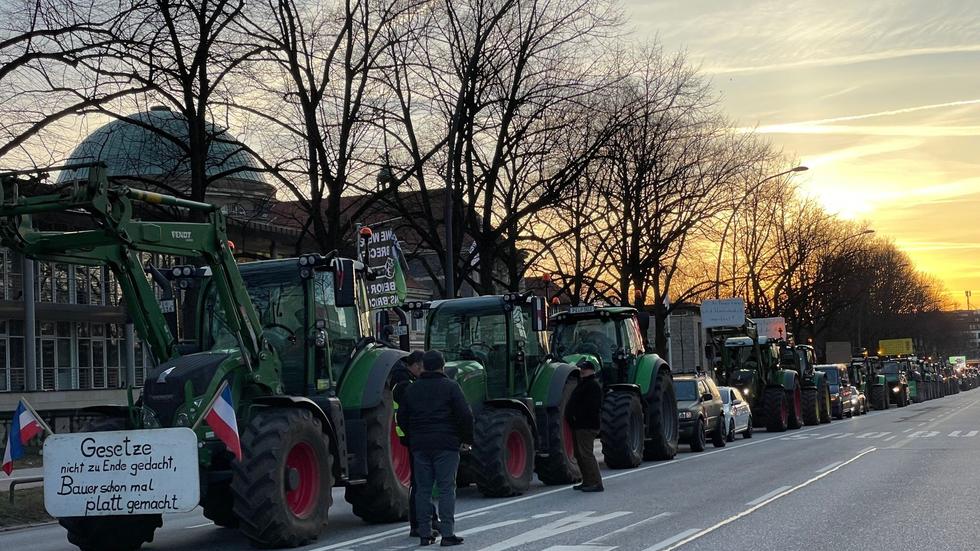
968 295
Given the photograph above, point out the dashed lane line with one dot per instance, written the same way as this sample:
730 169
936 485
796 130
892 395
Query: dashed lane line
628 527
701 533
764 497
670 541
828 467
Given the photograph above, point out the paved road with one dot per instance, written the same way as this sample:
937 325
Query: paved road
893 480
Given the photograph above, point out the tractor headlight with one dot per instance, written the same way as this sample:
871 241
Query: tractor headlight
896 389
745 391
182 420
150 420
685 414
854 399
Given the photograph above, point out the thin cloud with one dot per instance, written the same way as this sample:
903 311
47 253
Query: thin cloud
936 245
826 126
846 60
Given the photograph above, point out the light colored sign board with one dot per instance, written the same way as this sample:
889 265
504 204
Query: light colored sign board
774 328
383 289
958 361
121 472
895 347
727 312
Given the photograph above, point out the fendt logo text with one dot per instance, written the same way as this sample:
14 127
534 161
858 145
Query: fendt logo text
185 235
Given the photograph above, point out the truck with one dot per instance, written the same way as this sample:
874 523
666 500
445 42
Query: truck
497 350
639 409
290 338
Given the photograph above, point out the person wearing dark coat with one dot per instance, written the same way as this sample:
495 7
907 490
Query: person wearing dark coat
582 412
405 373
437 421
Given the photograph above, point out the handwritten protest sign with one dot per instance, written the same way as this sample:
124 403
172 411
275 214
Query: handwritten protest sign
728 312
121 473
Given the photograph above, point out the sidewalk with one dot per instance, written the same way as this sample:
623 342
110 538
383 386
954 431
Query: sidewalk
20 473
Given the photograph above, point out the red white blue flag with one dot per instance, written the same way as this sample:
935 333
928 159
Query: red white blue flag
221 418
24 427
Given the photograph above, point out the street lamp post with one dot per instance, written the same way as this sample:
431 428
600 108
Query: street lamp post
724 235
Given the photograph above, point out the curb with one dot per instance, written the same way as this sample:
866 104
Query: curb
25 526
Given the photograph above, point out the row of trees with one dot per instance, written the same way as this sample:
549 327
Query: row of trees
552 145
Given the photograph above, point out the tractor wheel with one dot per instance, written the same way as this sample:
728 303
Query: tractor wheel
719 436
219 504
384 495
811 406
282 485
114 532
503 455
662 428
795 397
698 438
731 431
559 467
622 430
879 398
777 409
825 416
748 430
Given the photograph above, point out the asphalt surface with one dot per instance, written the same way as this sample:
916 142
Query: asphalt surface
891 480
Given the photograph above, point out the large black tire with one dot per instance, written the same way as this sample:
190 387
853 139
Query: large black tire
503 454
662 425
384 495
795 398
879 398
219 505
811 406
719 436
622 430
748 430
824 404
282 485
560 466
115 532
698 438
777 409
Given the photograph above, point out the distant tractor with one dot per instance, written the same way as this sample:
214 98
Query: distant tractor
815 390
896 372
865 374
639 412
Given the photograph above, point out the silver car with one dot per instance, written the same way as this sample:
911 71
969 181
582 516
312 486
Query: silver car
737 413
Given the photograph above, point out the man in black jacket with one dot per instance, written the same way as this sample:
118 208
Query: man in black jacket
437 421
404 374
582 412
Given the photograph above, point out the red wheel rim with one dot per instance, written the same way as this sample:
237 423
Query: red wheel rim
566 437
516 454
302 499
400 461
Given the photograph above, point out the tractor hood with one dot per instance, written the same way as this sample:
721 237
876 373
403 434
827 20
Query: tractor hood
165 387
471 376
574 359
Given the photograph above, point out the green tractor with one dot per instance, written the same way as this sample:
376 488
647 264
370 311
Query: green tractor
639 411
752 363
496 349
865 374
290 338
815 387
896 372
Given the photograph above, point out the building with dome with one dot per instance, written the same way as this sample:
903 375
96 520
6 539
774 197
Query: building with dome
84 349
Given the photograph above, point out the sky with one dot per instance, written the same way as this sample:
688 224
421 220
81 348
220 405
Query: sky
879 98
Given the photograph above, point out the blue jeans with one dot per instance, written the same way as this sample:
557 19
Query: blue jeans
436 469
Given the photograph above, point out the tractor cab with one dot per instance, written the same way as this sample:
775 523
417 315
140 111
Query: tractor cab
492 344
610 334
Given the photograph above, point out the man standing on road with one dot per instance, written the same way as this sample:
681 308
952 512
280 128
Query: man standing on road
437 421
404 374
582 412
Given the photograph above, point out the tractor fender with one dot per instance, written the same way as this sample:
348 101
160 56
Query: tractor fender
819 380
648 366
516 405
330 413
549 384
363 384
785 378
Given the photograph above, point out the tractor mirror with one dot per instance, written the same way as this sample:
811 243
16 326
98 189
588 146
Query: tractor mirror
344 283
539 314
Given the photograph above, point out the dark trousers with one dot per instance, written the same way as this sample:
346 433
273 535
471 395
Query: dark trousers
584 454
413 519
436 469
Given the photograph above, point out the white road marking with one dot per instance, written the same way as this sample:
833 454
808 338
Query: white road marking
764 497
755 508
845 435
955 434
825 436
199 525
669 541
873 435
924 434
892 437
828 467
628 527
907 430
971 434
578 548
503 523
560 526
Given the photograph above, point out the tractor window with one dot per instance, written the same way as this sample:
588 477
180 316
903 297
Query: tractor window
462 337
586 336
534 349
343 324
891 368
833 377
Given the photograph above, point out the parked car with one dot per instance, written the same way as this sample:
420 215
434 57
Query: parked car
738 414
699 411
859 402
840 389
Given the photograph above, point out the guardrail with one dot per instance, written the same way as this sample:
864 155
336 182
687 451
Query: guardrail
22 480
